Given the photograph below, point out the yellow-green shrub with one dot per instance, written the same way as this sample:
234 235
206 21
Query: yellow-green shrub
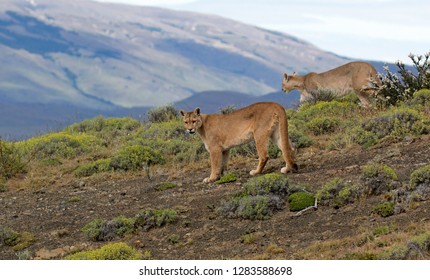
114 251
61 145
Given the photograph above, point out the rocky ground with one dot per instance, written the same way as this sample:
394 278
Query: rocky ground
56 214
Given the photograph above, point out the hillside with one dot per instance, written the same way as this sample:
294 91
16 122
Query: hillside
106 181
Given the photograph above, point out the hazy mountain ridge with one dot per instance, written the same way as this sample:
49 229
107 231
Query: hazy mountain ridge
129 56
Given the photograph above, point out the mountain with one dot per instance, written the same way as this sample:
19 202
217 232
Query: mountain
103 55
67 60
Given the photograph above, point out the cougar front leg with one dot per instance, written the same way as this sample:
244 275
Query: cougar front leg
216 165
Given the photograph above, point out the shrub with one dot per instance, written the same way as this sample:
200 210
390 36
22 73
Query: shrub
298 137
337 193
101 165
136 157
102 230
395 89
150 218
114 251
421 98
420 177
399 123
300 200
58 145
258 207
384 209
326 95
268 184
162 114
17 240
326 109
227 109
323 125
11 162
378 178
227 178
100 126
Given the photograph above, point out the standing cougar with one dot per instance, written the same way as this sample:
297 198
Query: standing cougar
353 76
260 121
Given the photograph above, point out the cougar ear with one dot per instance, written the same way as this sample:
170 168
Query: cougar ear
182 112
294 73
197 111
285 76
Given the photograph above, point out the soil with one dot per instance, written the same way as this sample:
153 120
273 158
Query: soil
56 214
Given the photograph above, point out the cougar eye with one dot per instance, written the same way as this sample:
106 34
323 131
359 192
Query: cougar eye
194 122
186 122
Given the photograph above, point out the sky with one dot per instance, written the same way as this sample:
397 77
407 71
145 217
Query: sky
382 30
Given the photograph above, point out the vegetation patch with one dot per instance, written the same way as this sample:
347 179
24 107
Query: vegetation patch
337 193
11 162
98 166
378 178
150 218
114 251
227 178
162 114
136 157
268 184
17 240
260 198
385 209
258 207
102 230
300 200
58 145
323 125
420 178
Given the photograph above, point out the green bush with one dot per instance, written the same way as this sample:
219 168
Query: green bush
298 137
114 251
337 193
171 138
323 125
150 218
384 209
104 126
421 98
11 162
399 122
101 165
58 145
268 184
163 114
136 157
420 177
378 178
17 240
338 109
102 230
326 95
258 207
300 200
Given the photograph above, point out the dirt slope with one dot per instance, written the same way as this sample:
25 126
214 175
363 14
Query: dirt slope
56 214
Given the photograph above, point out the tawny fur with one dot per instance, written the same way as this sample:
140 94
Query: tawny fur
259 122
353 76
